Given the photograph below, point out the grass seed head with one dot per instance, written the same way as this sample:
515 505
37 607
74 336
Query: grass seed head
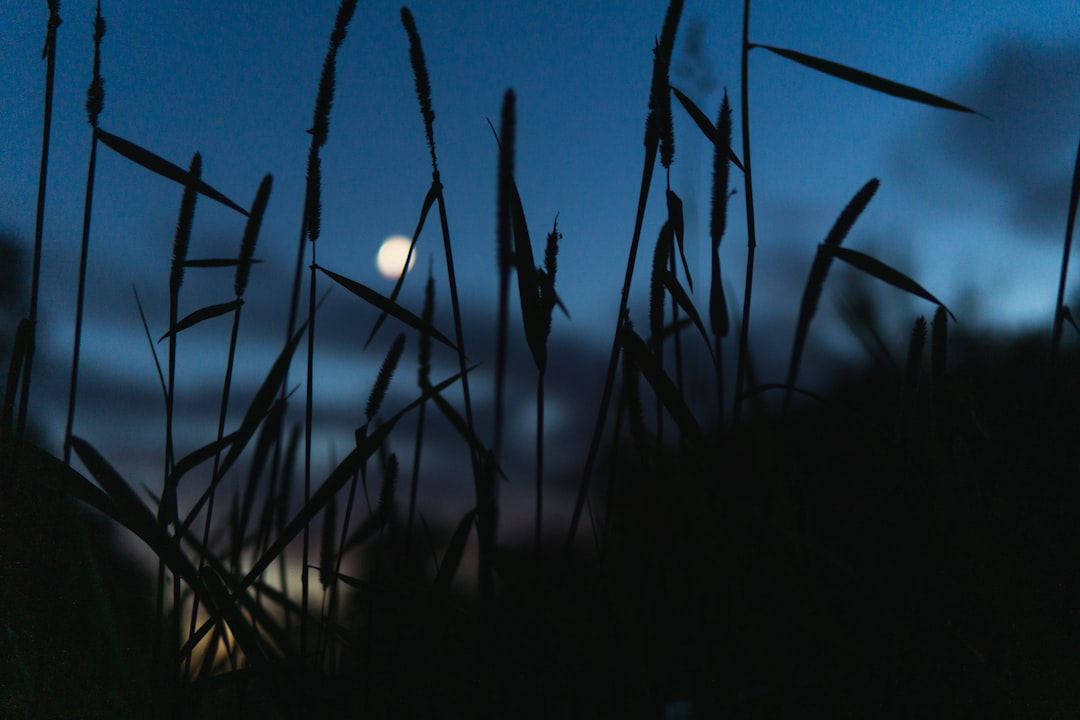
251 234
320 126
658 125
423 82
546 277
721 167
382 380
850 213
184 223
507 129
95 94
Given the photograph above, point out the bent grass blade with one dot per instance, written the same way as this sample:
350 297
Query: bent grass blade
867 80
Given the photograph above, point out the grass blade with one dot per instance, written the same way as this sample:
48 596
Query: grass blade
455 550
528 282
661 384
386 305
33 462
703 122
886 274
818 273
226 608
368 529
134 515
159 165
462 427
150 344
661 252
867 80
679 294
652 142
271 431
367 446
202 314
429 200
678 224
262 402
197 457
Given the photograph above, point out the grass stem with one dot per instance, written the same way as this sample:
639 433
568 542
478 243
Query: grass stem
751 232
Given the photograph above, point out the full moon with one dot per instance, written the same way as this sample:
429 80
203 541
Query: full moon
391 257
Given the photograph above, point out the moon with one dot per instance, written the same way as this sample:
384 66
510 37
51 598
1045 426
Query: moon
391 256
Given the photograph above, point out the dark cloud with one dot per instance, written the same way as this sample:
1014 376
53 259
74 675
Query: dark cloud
1030 90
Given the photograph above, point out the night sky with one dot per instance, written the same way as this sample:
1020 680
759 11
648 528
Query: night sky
972 207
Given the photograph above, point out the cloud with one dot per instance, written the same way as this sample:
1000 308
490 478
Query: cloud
1024 153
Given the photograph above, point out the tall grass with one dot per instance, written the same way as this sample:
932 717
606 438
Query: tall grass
746 563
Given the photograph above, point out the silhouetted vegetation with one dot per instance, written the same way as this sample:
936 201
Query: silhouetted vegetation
902 545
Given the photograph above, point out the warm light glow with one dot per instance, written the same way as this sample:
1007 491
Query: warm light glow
391 257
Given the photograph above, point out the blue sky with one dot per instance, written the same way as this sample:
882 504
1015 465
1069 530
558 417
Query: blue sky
974 208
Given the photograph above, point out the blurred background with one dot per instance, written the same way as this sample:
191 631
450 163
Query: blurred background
972 207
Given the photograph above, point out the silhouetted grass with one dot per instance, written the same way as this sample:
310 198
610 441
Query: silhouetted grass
902 545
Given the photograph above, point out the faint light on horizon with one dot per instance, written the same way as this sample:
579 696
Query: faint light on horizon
391 256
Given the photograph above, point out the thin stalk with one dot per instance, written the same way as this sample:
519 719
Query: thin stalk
423 377
80 298
719 321
276 462
486 579
308 413
502 256
613 359
95 102
167 510
548 300
483 477
420 420
309 230
677 339
217 462
751 235
1070 223
49 53
655 120
243 272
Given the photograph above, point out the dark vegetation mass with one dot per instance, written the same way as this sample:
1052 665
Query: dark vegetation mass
902 545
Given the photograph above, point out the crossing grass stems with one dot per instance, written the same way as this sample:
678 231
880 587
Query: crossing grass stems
663 608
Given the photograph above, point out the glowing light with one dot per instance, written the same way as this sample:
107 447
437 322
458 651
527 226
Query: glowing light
391 256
